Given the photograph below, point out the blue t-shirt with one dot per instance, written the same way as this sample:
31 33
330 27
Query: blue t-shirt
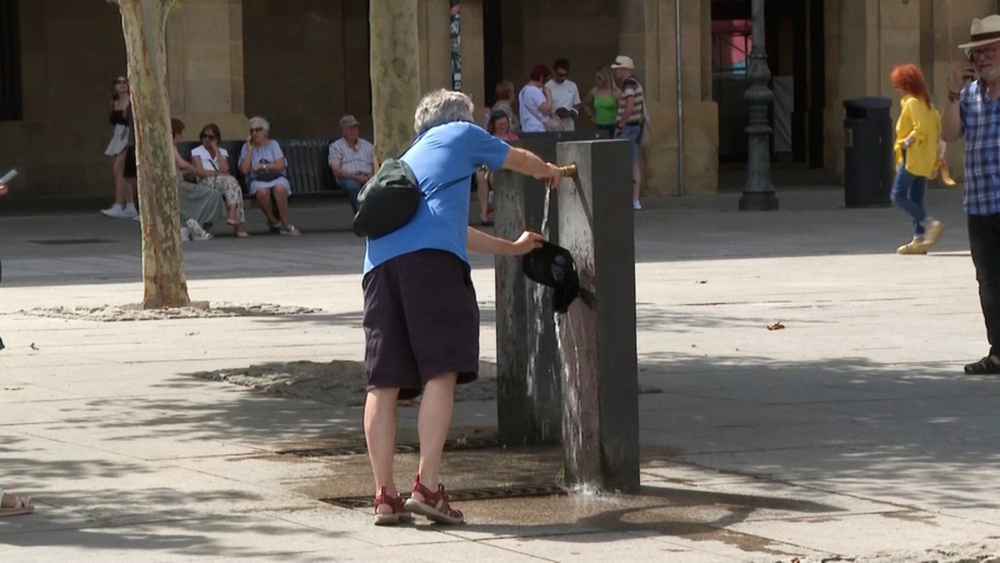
443 157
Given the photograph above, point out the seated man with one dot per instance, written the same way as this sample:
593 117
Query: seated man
352 160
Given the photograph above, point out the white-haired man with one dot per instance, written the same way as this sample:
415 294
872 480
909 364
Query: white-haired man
421 317
973 110
352 159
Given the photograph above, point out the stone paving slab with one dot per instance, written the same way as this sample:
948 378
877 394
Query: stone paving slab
849 433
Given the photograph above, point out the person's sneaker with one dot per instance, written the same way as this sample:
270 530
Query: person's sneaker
185 235
129 211
137 218
636 205
115 211
913 247
203 236
934 232
290 230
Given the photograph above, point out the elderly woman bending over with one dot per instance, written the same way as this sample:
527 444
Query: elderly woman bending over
421 318
263 165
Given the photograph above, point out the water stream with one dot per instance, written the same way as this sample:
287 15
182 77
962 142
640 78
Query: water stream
535 342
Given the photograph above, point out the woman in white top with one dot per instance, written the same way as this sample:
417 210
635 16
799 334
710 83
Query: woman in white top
211 163
536 101
263 165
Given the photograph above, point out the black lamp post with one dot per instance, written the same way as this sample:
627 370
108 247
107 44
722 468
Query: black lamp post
758 194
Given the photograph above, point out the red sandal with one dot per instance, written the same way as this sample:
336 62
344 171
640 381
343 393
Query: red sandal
399 513
434 506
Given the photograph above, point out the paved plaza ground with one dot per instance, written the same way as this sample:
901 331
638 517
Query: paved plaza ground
850 434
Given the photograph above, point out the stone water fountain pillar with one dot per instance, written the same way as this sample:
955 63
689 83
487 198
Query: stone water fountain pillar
598 333
529 393
577 384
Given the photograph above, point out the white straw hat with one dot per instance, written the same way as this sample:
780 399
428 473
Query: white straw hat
984 32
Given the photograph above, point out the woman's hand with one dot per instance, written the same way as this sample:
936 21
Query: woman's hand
527 242
551 174
3 189
908 142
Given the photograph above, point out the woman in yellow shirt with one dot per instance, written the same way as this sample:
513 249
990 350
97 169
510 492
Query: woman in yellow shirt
917 132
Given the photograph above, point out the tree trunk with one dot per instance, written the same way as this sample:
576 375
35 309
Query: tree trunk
144 23
395 64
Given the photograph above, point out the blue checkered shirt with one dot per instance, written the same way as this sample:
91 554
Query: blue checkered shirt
981 127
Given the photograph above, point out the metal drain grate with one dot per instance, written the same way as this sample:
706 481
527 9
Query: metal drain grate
362 449
69 241
466 495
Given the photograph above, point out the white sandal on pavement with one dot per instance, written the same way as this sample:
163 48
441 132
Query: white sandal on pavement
21 506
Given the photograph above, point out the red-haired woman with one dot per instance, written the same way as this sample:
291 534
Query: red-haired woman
917 133
536 101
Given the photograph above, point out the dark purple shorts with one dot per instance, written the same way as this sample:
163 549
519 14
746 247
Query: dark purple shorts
421 321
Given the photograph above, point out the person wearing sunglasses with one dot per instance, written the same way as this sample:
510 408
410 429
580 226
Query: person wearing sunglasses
211 164
566 104
263 165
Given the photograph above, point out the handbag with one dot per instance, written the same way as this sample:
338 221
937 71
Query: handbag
267 175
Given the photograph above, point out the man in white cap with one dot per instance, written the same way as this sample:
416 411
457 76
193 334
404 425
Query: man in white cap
631 115
352 160
973 111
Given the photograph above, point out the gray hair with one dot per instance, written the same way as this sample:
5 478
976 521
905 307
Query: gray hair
440 107
261 122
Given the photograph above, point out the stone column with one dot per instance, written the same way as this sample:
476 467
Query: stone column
435 44
647 34
205 66
473 55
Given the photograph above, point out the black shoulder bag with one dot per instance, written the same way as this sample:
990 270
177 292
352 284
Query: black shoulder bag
389 199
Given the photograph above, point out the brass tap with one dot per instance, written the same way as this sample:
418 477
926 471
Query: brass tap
568 171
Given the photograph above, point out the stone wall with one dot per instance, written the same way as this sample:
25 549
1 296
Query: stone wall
306 65
205 66
648 35
541 31
71 53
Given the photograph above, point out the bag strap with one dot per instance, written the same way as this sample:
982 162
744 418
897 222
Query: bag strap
439 188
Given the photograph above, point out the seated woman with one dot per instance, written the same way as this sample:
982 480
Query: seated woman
498 126
211 164
263 165
199 205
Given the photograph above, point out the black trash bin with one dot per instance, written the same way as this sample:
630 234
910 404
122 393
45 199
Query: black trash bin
868 153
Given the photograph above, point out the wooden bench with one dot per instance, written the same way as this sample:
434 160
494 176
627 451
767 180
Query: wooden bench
305 159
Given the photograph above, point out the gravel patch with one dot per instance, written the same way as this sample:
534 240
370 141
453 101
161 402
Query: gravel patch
339 383
197 310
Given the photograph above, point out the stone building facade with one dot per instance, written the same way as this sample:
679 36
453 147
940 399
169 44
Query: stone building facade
304 63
